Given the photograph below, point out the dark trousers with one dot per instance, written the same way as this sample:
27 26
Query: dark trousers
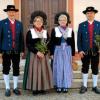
94 60
7 59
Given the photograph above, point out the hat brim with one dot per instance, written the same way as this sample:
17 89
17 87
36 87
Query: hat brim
16 10
85 11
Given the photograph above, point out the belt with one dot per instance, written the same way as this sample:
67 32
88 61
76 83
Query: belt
91 52
11 52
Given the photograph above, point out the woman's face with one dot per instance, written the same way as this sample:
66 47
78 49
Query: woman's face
38 22
62 20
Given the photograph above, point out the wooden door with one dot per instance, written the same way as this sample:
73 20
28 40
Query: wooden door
50 7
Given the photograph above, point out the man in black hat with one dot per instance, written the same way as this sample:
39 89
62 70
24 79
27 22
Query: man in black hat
11 46
88 49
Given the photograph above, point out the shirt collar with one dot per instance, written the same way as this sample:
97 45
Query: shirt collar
90 22
12 21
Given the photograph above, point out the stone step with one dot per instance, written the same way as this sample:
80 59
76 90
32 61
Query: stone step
11 75
22 65
76 75
76 83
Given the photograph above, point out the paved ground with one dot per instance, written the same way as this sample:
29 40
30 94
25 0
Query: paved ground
52 95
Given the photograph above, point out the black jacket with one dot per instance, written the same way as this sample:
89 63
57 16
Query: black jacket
30 42
54 41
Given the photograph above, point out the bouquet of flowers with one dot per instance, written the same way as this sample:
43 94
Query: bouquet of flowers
97 41
42 47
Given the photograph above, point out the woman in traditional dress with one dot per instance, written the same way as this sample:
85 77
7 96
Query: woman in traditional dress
62 49
37 73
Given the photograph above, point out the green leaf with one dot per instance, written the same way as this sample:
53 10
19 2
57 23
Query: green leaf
41 46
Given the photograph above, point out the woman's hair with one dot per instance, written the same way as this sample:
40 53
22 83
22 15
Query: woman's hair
58 15
62 16
37 14
38 17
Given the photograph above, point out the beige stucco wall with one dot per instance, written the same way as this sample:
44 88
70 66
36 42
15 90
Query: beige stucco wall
79 6
3 4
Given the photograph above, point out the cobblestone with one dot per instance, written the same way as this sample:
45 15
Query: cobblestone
73 94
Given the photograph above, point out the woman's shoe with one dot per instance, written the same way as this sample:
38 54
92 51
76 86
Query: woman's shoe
35 92
42 92
65 90
58 90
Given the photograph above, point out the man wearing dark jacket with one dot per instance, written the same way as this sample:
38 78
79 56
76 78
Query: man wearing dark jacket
11 46
88 49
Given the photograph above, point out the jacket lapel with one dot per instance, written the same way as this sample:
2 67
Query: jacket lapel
95 27
86 29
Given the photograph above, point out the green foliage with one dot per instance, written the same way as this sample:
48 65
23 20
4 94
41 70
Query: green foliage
97 40
41 46
97 37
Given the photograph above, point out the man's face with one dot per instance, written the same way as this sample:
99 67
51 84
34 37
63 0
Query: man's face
11 14
90 15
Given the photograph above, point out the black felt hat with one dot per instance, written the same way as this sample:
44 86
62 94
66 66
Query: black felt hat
11 8
90 9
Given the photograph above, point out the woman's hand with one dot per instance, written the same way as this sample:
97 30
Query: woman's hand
40 55
51 56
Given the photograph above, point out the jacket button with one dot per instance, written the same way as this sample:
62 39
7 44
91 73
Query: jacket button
8 36
8 31
9 40
9 44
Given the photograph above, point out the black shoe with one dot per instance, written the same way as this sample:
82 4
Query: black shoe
83 89
35 92
65 90
96 90
16 91
58 90
55 87
7 93
42 92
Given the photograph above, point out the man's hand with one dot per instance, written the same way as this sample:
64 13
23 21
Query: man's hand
81 53
22 54
99 51
0 54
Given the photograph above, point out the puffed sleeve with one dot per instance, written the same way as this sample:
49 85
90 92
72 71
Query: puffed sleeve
30 43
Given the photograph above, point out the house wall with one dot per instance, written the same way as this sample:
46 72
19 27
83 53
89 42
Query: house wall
78 16
3 5
18 5
79 6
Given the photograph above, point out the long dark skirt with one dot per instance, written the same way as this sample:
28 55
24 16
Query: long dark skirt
37 73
